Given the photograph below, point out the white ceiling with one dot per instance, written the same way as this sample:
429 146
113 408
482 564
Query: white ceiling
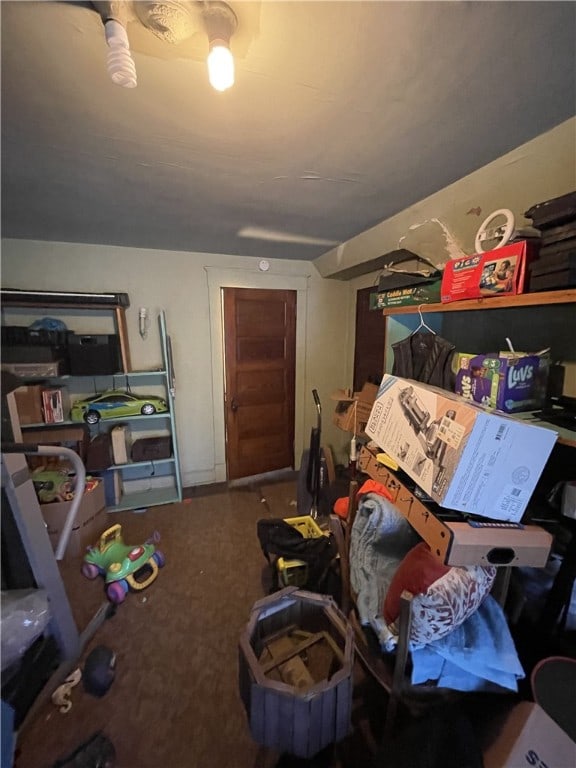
343 114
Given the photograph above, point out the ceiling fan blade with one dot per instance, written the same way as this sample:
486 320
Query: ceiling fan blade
275 236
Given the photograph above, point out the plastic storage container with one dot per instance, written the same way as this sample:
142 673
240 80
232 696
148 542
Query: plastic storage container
292 573
307 526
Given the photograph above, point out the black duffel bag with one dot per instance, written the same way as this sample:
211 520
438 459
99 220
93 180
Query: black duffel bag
279 538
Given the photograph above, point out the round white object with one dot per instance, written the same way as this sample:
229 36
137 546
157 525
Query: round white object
263 265
502 232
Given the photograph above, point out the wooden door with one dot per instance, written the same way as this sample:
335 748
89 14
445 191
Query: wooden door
369 343
260 354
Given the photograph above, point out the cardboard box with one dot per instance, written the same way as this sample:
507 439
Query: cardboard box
55 404
29 404
463 457
120 436
36 370
88 521
510 381
457 542
494 273
411 296
353 409
529 738
73 436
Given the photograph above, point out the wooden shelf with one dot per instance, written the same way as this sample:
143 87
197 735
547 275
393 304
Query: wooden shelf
565 296
541 299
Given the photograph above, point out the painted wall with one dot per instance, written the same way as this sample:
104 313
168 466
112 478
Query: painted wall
532 173
536 171
186 286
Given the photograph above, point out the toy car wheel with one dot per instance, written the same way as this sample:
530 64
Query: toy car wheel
148 409
159 558
116 591
90 570
91 417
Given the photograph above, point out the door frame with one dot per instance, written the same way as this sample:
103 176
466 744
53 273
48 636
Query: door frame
229 278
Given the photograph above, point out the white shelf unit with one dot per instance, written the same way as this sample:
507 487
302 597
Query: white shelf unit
145 483
151 474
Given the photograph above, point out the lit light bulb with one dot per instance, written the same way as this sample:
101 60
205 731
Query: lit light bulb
220 66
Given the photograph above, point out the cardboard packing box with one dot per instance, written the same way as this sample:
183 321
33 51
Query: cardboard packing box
409 296
120 436
29 404
73 436
529 737
55 404
87 526
499 272
455 541
510 381
353 408
462 456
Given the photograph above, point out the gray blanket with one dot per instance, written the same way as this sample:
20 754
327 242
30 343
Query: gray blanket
379 540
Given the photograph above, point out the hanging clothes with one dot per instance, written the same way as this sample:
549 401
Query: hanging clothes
425 357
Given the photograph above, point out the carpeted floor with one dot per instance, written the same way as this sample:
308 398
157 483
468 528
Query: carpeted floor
174 701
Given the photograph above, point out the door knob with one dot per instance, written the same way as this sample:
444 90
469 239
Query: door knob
234 405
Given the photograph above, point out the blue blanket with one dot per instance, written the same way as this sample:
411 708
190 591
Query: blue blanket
479 655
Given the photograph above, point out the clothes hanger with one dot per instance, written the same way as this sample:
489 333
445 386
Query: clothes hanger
422 323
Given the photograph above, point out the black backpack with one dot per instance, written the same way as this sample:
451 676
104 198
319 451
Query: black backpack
277 537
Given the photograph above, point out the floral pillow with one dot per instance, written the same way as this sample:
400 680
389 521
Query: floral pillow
446 603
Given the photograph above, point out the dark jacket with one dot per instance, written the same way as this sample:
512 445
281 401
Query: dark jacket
425 357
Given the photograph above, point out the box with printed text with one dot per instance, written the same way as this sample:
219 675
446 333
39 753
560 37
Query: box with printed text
462 456
510 381
527 737
88 523
493 273
55 404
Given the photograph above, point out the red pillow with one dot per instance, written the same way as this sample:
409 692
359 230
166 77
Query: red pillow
417 571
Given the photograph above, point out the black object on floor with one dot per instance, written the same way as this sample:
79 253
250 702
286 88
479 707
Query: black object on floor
97 752
99 671
22 682
277 537
313 470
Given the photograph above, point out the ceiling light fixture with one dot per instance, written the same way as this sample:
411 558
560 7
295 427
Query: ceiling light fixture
120 64
220 23
172 21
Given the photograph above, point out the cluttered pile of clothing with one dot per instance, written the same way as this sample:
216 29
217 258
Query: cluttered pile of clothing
459 638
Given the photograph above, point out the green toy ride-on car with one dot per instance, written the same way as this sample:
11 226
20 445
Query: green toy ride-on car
124 567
